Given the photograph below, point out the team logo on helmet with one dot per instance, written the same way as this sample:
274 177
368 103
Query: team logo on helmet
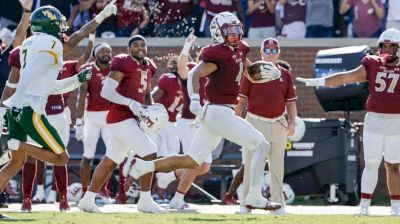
49 15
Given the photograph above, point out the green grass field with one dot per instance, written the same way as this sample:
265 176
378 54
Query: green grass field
84 218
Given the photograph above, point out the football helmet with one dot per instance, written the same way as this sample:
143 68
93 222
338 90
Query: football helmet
391 36
49 20
74 192
223 24
299 131
153 118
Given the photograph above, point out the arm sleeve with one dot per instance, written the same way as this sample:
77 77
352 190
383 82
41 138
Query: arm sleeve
65 85
109 92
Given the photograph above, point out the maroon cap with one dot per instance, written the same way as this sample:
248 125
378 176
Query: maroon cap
271 43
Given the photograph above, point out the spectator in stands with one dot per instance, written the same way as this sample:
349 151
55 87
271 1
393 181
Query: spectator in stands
393 15
107 27
319 18
65 8
132 17
212 8
368 16
294 17
173 18
262 20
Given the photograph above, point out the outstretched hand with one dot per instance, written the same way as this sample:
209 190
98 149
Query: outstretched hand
26 4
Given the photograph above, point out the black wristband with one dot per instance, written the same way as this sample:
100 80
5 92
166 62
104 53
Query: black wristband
27 10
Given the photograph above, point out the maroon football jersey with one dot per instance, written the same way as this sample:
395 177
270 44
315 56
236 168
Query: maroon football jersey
223 84
214 7
55 103
186 100
172 98
135 84
69 70
94 100
169 11
269 99
384 87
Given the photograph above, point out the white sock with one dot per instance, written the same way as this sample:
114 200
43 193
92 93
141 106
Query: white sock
145 195
369 178
179 196
257 165
89 196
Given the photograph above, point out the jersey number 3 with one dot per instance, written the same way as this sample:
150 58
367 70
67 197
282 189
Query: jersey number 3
380 81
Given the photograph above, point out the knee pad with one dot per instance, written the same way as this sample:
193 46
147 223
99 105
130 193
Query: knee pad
370 166
13 144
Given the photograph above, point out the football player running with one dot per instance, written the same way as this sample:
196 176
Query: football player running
186 129
381 136
223 63
41 61
128 88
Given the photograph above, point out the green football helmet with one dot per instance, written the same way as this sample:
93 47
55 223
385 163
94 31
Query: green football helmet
48 19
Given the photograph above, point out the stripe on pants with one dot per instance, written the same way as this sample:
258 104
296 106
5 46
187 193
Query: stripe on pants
45 134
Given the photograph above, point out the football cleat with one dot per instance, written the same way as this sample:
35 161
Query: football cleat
89 207
146 206
178 204
229 199
105 196
64 207
26 205
364 208
243 210
259 202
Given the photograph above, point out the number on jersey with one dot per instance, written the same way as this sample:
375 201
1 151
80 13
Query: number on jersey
383 79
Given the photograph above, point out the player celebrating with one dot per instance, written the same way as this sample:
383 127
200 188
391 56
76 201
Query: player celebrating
128 88
223 63
381 126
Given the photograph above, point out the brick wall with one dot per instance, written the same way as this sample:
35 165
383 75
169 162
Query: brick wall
302 62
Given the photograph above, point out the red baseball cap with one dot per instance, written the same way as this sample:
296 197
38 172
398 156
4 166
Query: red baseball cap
271 43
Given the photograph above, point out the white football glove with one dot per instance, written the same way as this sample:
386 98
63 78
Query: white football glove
135 107
312 82
3 111
110 9
79 130
195 106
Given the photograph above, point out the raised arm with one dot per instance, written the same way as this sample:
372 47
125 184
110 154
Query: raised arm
358 74
183 58
85 57
90 27
23 23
